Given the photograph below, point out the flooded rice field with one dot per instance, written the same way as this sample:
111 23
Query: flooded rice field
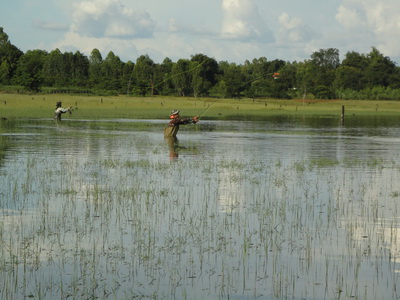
280 209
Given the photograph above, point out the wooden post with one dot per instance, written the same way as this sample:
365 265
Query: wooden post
342 117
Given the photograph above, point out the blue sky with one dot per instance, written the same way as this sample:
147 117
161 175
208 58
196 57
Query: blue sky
230 30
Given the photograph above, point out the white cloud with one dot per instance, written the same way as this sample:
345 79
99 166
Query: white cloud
75 42
232 30
293 30
52 26
109 18
100 24
175 27
242 21
374 21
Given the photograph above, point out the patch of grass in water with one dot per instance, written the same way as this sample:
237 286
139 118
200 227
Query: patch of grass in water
373 162
395 194
323 163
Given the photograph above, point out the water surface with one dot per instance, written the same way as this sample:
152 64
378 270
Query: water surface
285 208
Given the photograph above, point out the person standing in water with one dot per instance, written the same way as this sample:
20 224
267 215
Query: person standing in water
59 111
175 121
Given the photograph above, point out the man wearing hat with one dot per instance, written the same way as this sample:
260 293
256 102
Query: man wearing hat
175 121
59 111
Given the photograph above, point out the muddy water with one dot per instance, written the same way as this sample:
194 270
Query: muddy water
276 209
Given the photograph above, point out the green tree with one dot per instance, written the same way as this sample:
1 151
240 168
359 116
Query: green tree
95 68
394 80
380 69
3 37
327 59
29 70
198 85
276 66
262 83
324 63
260 87
68 67
347 77
323 92
287 80
283 82
9 56
127 78
256 73
80 69
165 83
258 68
144 75
112 72
351 73
305 77
220 90
54 69
355 60
181 77
65 69
231 81
204 72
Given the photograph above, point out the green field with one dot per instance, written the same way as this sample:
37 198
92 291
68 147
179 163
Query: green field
111 107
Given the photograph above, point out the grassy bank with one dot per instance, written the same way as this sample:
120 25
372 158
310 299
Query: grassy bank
98 107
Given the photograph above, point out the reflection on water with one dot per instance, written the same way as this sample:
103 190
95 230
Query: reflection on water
284 208
173 145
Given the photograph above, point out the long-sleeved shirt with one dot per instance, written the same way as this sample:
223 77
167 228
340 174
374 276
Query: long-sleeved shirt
180 121
61 110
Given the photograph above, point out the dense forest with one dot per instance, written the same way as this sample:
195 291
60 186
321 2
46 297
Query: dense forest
322 76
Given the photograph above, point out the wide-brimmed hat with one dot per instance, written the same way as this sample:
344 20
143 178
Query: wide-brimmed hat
174 112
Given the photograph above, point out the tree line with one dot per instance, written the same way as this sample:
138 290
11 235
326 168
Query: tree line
322 76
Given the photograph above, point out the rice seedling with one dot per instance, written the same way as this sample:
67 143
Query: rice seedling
102 212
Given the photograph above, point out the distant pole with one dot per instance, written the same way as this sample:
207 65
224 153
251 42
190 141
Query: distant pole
342 117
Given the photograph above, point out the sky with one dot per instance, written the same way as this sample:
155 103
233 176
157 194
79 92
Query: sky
226 30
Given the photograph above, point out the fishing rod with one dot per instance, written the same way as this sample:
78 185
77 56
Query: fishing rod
183 72
265 75
204 111
200 115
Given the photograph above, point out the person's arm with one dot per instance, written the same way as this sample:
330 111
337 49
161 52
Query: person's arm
63 110
185 121
173 122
